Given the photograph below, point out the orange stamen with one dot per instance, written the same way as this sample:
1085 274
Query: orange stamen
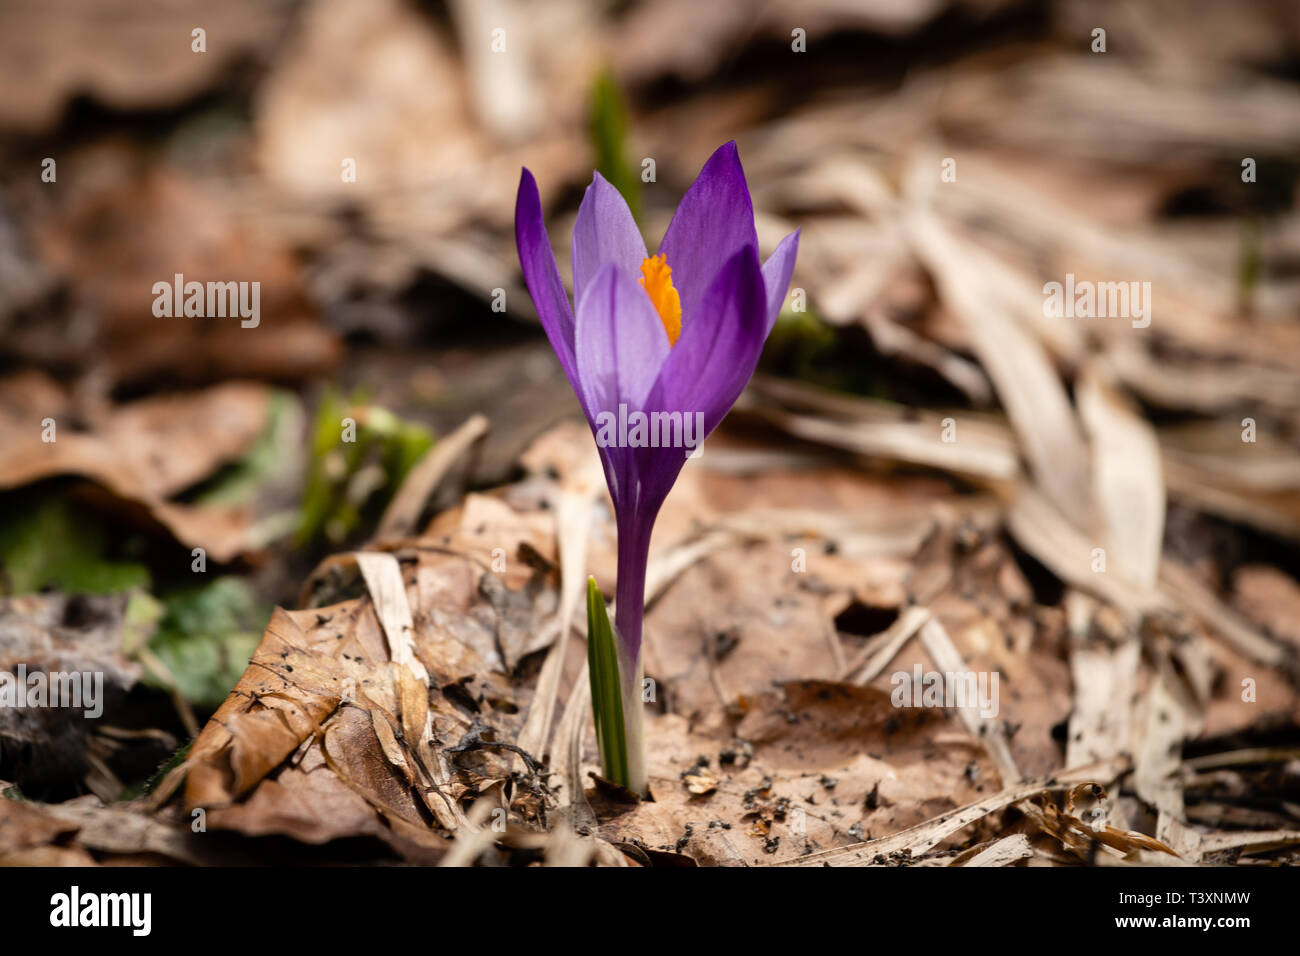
657 280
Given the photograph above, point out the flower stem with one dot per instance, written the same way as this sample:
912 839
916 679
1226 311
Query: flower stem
629 605
629 613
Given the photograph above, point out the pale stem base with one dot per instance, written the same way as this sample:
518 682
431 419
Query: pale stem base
630 678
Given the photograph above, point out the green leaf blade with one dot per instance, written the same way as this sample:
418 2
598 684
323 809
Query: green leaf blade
606 688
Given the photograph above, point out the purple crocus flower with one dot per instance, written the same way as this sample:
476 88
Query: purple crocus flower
677 334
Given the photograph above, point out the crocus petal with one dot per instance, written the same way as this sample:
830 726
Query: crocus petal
714 359
714 219
620 341
605 232
542 276
620 347
776 275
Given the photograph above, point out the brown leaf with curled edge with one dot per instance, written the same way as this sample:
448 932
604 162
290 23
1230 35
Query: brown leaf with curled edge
368 718
153 447
138 454
307 802
279 702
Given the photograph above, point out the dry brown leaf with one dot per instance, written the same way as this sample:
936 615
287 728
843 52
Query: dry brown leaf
116 234
125 54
